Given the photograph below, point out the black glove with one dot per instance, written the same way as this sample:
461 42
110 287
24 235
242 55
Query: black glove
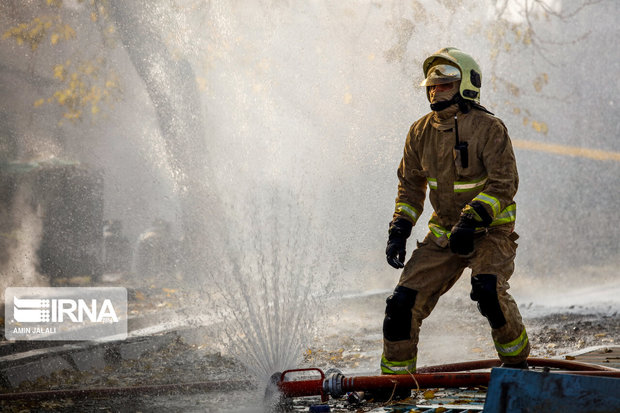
400 229
473 216
462 237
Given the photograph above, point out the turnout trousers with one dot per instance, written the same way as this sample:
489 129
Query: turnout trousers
430 272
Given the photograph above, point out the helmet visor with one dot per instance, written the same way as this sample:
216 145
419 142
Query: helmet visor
440 74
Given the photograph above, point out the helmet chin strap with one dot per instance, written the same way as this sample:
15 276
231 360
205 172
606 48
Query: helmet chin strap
444 104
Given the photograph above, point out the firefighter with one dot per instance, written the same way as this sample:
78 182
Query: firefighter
463 154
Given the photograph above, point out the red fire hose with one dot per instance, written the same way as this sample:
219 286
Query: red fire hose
532 361
448 375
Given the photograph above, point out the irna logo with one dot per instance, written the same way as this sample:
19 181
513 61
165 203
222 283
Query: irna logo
65 313
28 310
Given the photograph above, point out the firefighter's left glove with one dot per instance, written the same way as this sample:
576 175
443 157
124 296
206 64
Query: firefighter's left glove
400 229
473 216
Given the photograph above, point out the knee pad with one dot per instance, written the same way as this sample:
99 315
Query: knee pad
397 322
484 291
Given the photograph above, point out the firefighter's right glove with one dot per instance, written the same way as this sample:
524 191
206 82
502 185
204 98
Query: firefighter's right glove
400 229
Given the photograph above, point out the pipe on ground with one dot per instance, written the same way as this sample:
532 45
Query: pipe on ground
335 384
448 375
532 361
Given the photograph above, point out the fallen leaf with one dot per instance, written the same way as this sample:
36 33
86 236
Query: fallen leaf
429 394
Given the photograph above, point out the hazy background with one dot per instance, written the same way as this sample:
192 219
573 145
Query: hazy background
232 118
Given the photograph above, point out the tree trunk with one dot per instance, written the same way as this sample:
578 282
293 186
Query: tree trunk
172 87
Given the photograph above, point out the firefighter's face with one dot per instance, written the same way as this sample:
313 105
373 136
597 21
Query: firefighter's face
443 91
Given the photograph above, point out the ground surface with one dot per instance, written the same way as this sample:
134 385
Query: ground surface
349 338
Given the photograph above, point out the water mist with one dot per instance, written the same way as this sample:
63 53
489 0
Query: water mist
273 284
269 133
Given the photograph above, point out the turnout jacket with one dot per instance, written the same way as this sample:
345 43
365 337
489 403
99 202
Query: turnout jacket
430 159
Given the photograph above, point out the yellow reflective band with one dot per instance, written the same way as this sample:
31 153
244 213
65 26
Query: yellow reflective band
398 367
489 200
466 186
509 214
409 210
432 183
514 348
438 230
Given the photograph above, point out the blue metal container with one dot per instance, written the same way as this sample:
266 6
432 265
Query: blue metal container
518 391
